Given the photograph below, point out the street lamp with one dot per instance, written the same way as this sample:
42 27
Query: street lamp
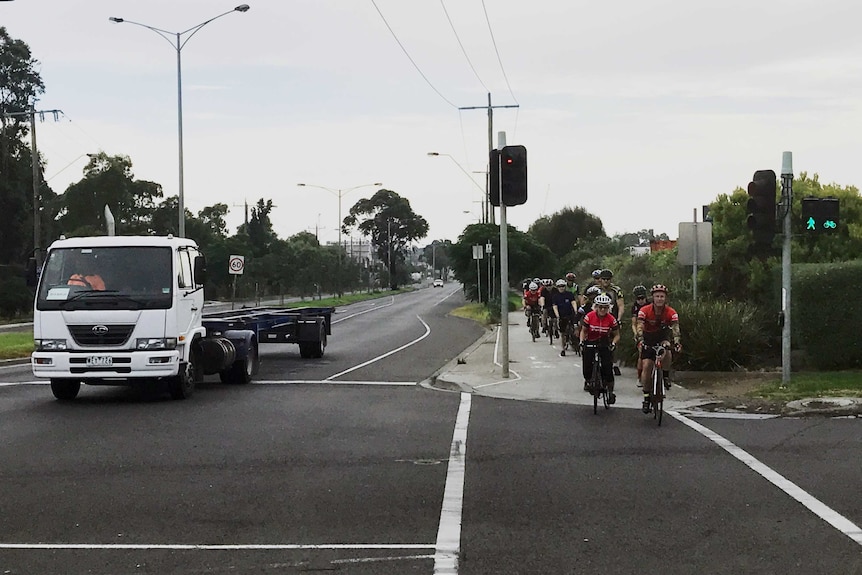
178 43
340 192
481 189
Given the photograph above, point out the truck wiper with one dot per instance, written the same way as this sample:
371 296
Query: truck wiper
104 294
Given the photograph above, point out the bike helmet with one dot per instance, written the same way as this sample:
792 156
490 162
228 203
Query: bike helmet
570 276
548 282
602 299
606 274
533 286
658 287
639 291
596 274
561 283
537 280
593 291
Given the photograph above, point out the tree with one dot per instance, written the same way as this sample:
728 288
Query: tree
391 224
259 228
562 230
20 84
109 181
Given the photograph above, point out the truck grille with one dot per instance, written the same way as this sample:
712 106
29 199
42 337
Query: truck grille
101 335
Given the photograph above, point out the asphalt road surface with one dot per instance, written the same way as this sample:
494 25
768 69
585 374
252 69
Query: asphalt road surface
349 465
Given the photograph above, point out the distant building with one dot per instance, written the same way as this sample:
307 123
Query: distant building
659 245
639 250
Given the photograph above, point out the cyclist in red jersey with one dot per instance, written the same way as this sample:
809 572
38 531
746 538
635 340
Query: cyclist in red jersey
531 300
600 327
657 323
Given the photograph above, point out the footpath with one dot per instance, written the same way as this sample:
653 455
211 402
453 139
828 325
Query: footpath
537 372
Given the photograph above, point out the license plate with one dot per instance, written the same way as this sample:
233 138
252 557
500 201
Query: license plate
100 361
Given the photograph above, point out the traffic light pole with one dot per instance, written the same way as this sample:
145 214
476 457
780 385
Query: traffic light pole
787 201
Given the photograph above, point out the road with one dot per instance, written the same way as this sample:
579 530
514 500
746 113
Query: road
347 465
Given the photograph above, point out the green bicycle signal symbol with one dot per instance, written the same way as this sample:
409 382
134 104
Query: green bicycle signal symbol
829 225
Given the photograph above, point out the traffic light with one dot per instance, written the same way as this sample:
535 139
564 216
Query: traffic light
820 215
494 178
761 207
512 183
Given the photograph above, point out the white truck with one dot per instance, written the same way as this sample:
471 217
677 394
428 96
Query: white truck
126 310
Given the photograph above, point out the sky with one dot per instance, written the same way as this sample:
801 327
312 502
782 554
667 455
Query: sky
638 112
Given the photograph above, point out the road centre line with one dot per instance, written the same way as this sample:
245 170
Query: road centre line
387 354
448 546
375 308
813 504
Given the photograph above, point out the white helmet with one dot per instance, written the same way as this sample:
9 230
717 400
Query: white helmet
533 286
602 299
561 283
548 282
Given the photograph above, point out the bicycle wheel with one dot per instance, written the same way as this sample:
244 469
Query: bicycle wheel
534 327
595 385
657 394
552 325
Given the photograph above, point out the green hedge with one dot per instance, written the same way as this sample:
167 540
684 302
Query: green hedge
825 325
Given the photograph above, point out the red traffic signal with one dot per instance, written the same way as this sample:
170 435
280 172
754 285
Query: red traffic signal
511 187
761 207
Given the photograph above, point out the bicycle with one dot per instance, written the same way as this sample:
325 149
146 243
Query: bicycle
572 336
553 328
596 384
535 320
657 389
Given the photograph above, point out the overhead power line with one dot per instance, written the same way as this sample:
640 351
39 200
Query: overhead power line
403 49
500 60
463 50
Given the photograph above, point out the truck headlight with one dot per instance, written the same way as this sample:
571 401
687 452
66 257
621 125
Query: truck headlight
144 343
50 345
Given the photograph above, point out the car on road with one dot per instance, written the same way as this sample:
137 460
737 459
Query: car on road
438 283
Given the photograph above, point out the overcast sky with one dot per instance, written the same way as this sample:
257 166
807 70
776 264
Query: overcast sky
640 112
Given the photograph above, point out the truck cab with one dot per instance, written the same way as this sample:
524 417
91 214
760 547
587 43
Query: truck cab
115 310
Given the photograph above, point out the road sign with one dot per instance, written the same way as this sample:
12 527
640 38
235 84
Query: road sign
694 236
478 252
236 264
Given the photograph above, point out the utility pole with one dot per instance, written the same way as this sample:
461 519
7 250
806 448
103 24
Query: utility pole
787 202
489 211
34 160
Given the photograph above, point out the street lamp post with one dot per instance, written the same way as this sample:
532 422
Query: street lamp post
340 193
176 40
481 189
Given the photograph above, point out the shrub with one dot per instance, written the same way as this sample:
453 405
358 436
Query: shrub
826 333
16 299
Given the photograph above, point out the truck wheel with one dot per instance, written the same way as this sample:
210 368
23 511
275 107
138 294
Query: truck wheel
65 389
242 370
183 385
313 349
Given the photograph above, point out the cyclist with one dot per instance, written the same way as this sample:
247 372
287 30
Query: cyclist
545 293
564 307
531 301
585 308
640 294
573 287
602 328
657 323
593 282
618 304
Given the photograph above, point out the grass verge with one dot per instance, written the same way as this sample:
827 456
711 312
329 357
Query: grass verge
812 384
15 345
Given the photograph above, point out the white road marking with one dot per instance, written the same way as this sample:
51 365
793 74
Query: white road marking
387 354
500 365
328 382
726 415
375 308
206 547
813 504
449 531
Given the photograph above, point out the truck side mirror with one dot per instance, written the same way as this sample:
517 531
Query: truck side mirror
200 270
31 275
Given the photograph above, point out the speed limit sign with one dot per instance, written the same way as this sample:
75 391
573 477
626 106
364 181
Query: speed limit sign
236 264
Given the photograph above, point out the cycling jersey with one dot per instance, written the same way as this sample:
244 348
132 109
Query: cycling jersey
531 298
545 292
657 326
563 300
599 327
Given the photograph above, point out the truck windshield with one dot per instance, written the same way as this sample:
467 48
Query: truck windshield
128 277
